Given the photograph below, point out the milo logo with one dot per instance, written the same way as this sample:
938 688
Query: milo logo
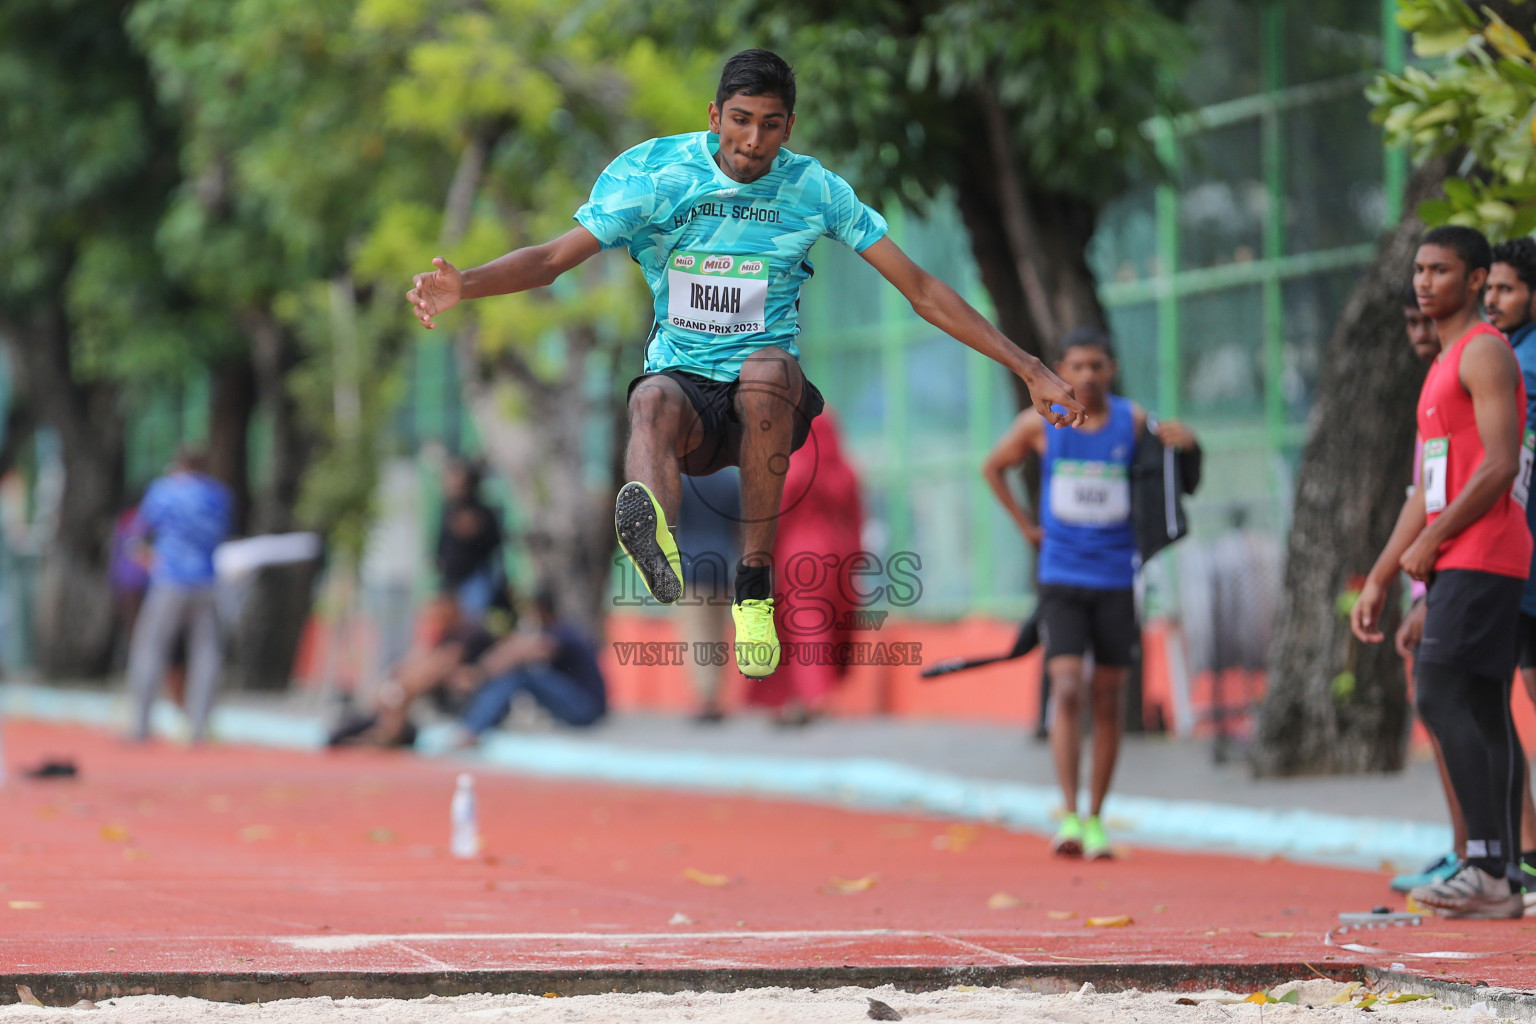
684 262
752 267
718 264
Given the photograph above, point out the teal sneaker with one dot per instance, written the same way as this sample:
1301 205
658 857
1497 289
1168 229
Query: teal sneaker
757 642
1095 842
643 534
1434 872
1068 841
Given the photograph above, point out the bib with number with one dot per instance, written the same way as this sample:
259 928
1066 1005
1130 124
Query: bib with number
717 294
1521 492
1437 464
1090 493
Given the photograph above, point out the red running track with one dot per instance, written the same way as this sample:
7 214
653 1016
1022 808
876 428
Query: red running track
232 859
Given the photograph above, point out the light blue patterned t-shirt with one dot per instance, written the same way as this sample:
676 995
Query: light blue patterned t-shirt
725 260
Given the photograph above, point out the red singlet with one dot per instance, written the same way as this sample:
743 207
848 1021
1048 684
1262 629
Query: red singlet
1499 541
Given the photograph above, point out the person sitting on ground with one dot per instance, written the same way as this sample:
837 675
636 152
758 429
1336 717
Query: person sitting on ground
557 666
430 670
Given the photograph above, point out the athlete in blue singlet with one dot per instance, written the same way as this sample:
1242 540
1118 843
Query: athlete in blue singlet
1087 565
721 223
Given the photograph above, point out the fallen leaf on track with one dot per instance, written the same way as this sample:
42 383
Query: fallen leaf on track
848 886
115 833
1060 915
1118 921
25 904
705 878
24 994
1344 996
1274 935
1002 901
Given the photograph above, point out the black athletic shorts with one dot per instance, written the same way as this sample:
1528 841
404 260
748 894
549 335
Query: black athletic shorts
1472 622
1527 640
1074 620
715 402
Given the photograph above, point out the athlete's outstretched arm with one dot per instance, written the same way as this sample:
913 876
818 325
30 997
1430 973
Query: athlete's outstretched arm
1023 437
940 305
532 266
1490 373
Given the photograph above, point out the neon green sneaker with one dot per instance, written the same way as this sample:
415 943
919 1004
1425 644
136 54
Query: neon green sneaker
1068 841
1095 842
643 534
757 642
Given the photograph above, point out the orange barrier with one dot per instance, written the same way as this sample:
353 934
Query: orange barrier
1005 693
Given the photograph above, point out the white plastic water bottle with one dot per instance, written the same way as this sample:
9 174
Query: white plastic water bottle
465 843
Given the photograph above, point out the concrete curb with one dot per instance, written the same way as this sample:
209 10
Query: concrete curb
67 988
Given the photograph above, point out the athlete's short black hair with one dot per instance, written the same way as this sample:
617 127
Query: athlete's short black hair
1087 337
1519 253
1468 243
757 73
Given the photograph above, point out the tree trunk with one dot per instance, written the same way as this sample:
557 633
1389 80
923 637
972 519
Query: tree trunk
277 606
74 617
232 401
1020 238
569 536
1349 489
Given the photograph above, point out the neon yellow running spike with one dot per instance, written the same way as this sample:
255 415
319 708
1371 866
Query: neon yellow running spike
1095 841
1068 841
643 534
757 642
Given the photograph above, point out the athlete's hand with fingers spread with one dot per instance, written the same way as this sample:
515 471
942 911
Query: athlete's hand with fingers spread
1411 631
1419 560
435 291
1365 616
1047 390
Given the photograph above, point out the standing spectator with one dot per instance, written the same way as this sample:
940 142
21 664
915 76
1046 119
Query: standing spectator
1463 532
1086 534
468 542
185 514
709 537
817 538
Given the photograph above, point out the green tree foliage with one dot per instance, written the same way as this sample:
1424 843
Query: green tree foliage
530 99
1030 115
1476 94
86 164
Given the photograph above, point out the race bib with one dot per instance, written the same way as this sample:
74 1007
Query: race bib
717 294
1090 493
1437 457
1521 492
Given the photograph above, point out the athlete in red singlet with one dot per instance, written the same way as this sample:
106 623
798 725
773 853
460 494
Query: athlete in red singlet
1463 531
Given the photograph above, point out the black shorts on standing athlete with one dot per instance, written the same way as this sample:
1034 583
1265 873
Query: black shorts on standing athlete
1074 620
1472 622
